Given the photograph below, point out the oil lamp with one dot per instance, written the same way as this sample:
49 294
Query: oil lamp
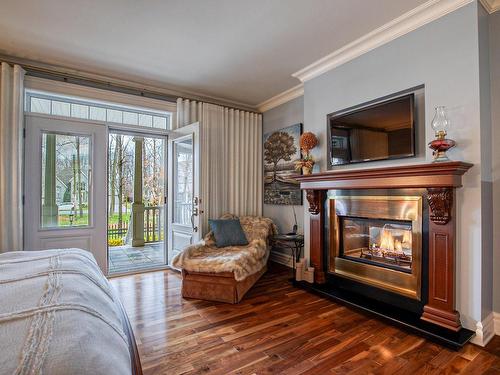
441 144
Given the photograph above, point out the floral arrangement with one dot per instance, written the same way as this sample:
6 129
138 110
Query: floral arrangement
307 142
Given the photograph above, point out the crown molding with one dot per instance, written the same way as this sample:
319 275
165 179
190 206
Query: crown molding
281 98
410 21
491 6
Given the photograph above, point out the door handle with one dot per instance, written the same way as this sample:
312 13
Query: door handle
195 229
89 178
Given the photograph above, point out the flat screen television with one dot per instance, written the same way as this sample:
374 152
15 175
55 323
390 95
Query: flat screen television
381 131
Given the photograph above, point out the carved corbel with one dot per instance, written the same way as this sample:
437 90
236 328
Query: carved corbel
314 197
440 204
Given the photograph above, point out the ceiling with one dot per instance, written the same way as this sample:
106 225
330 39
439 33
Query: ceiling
238 50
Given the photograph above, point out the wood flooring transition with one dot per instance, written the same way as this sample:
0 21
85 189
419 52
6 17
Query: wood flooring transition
278 329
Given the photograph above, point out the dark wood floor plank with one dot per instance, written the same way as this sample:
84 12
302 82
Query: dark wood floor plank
278 329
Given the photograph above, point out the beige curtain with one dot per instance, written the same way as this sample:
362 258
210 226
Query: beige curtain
188 111
231 158
11 156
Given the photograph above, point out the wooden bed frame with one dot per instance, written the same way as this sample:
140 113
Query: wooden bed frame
134 352
220 287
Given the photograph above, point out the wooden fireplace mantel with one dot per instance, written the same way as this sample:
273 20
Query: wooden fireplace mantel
446 174
440 180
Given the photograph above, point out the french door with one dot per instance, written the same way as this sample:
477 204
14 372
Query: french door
67 192
185 206
65 185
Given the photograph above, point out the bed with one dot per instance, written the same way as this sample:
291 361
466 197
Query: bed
225 274
59 315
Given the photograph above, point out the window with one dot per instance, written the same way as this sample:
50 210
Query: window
65 180
183 181
58 105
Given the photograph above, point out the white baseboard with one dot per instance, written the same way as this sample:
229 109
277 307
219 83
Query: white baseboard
485 330
281 258
496 319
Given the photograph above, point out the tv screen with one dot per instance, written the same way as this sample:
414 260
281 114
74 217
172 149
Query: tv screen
377 132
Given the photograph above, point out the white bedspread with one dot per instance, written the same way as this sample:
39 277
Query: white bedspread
59 316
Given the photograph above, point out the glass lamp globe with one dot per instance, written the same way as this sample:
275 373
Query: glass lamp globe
440 122
441 144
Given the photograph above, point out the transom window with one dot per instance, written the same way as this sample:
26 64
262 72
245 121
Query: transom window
66 106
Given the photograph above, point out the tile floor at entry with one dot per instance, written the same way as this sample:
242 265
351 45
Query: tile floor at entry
128 258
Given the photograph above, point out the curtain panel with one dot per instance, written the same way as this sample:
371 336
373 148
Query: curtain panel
11 157
231 158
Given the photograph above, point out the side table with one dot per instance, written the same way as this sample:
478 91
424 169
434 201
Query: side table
293 242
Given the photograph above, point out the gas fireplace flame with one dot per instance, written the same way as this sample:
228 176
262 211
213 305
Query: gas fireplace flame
388 242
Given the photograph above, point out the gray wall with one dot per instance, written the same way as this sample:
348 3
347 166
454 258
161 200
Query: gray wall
443 56
495 117
486 162
287 114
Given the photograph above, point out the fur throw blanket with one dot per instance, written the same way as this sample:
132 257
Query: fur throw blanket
243 261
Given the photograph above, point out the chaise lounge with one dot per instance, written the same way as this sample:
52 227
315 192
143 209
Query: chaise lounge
225 274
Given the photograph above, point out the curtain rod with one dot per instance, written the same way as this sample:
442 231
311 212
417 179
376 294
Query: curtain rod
98 84
57 73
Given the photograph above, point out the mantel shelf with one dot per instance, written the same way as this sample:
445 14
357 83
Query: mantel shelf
429 175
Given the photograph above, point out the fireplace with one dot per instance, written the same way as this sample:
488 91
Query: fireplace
383 240
376 240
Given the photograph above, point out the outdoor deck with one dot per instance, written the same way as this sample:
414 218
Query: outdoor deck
127 258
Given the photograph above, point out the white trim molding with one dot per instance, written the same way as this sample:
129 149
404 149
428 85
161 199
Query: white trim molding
485 330
410 21
491 6
496 319
281 98
281 258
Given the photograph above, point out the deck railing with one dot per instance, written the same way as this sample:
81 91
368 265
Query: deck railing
116 232
153 226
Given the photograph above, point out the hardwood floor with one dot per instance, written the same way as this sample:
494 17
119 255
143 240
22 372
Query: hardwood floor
278 329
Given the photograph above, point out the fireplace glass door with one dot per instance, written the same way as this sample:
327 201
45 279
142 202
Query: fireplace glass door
382 243
376 240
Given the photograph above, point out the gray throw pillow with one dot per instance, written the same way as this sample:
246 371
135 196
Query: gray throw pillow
228 233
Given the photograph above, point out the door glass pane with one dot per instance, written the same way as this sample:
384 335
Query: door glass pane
183 181
65 180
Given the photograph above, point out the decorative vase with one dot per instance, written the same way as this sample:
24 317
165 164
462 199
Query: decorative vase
306 170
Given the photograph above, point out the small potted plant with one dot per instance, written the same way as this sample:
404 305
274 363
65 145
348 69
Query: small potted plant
307 142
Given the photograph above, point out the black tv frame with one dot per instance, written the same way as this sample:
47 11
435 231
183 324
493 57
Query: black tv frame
368 105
